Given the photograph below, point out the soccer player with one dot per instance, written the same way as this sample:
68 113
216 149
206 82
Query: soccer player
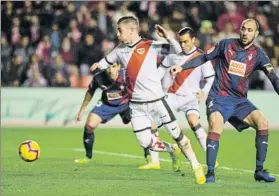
184 92
146 95
227 99
114 101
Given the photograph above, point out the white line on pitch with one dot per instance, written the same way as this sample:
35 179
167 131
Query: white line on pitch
161 159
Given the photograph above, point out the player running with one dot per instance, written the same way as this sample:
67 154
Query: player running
146 95
227 99
114 101
184 92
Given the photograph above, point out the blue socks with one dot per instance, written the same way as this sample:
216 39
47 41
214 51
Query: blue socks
261 142
212 146
88 140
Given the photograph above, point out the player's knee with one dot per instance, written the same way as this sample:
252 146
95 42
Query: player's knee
183 140
216 125
146 143
89 128
262 123
193 120
144 137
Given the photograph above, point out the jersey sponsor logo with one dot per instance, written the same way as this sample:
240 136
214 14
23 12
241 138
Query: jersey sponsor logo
237 68
140 51
113 96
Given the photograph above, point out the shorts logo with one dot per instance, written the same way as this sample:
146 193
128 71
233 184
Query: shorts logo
140 51
210 104
237 68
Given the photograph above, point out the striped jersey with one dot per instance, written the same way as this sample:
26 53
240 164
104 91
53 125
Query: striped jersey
140 62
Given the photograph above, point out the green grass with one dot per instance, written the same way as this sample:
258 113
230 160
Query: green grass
55 173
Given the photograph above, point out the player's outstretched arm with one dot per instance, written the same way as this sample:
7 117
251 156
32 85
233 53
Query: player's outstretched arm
105 62
211 54
94 67
193 63
173 47
86 100
274 79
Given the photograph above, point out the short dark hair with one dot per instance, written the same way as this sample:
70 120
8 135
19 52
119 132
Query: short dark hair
186 30
128 19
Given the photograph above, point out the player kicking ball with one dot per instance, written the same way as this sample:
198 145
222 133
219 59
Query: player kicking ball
227 99
114 101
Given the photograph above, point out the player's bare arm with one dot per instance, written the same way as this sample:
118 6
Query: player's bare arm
162 32
87 98
94 67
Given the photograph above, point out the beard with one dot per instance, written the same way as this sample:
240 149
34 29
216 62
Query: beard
248 43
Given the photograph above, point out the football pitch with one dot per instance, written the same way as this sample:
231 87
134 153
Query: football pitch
113 170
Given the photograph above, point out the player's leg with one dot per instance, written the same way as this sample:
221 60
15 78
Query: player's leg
170 123
151 157
101 113
172 149
194 122
142 128
216 123
193 119
218 111
92 122
257 120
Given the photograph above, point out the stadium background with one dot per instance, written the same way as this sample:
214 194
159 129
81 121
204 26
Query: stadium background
53 44
46 50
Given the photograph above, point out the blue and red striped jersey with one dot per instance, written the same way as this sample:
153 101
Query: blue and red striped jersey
234 65
113 92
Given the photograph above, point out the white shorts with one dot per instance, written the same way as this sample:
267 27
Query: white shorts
143 114
180 103
183 103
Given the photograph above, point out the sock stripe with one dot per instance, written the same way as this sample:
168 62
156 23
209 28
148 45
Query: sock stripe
213 136
262 132
89 128
195 128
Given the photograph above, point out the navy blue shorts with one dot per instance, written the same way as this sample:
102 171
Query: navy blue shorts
233 110
107 112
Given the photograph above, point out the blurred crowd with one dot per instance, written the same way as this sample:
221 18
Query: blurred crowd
54 43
